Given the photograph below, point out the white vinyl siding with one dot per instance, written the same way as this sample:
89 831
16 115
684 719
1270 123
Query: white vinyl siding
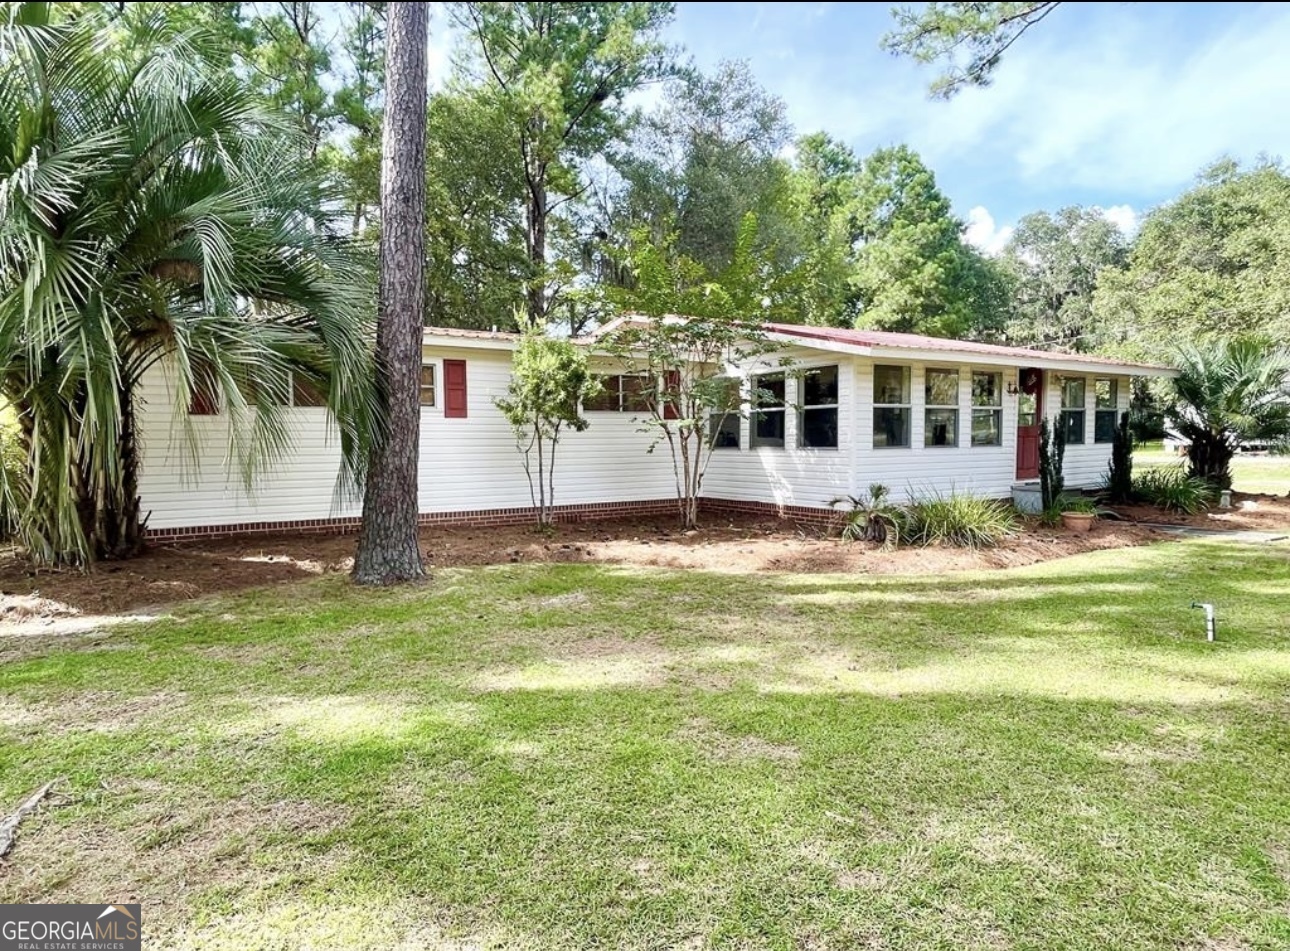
471 464
796 475
466 464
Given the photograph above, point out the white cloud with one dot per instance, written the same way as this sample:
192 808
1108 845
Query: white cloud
983 234
1124 218
1125 109
1105 103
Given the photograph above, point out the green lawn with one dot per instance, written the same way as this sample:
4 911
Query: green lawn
587 756
1268 474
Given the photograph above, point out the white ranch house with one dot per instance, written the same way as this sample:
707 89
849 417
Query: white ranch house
855 407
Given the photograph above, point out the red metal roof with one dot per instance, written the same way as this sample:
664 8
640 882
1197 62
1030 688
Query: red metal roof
895 341
856 338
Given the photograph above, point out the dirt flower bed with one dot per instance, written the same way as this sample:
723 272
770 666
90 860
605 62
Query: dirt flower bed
177 572
1249 512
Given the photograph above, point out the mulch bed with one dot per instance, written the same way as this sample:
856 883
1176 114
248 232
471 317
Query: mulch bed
176 572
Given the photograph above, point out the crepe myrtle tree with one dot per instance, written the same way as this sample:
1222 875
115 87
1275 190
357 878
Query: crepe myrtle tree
549 383
683 331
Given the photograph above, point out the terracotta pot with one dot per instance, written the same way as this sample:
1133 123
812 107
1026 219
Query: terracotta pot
1078 521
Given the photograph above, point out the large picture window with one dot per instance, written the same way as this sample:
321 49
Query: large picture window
891 406
621 393
768 417
987 409
1073 409
818 417
941 407
1106 394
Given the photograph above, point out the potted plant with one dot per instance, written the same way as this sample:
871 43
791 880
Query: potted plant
1078 514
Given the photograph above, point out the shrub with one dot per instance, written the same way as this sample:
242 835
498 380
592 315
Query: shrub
1077 503
1119 474
1172 488
966 521
1052 458
871 517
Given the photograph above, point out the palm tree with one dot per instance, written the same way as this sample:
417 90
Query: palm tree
154 219
1226 391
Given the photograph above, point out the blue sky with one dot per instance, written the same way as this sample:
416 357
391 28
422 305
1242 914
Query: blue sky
1115 104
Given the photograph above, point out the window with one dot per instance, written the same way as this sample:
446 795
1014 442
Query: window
987 409
1073 409
1107 396
891 406
941 408
723 421
203 403
454 389
817 420
607 397
427 384
768 417
638 394
305 393
203 400
621 393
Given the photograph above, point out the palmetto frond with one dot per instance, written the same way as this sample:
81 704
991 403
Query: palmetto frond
154 212
1228 391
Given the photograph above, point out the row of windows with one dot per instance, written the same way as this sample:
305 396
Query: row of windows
893 409
301 393
1106 395
204 403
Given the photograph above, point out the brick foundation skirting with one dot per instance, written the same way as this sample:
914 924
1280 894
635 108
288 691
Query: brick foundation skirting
801 514
591 511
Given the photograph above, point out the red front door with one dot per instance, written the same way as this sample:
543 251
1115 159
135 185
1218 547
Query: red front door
1030 404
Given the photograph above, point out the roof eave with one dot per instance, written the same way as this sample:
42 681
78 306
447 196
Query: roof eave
1054 361
429 339
819 343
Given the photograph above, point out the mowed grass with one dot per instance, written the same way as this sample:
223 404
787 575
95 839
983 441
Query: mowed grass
1267 474
588 756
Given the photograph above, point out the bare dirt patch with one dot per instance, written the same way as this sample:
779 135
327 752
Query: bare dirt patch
721 746
181 846
171 573
1249 512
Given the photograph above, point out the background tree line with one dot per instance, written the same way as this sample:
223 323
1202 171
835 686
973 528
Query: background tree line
564 129
202 181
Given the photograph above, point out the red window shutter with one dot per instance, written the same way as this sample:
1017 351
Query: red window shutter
672 394
454 389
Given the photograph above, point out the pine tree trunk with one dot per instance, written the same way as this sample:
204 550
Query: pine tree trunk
537 212
388 551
